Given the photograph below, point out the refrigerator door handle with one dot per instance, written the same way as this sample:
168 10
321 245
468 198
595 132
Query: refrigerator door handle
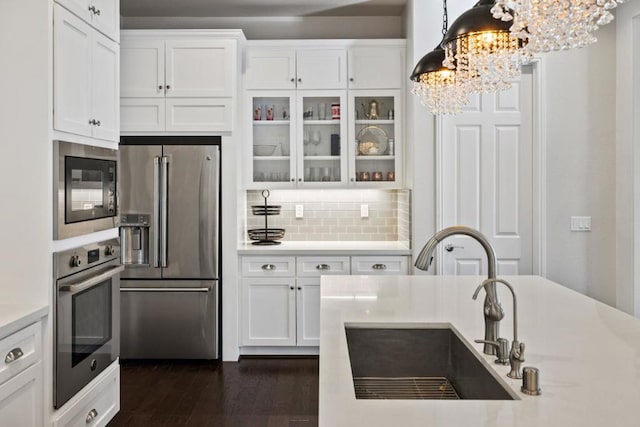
156 211
164 194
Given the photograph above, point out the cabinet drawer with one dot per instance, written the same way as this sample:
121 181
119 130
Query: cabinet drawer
379 265
309 266
94 407
199 114
268 266
20 350
142 114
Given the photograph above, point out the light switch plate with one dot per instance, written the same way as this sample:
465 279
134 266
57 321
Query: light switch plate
364 211
299 211
580 223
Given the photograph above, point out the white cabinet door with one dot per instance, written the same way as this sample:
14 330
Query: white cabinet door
199 114
71 75
78 7
308 311
106 17
142 74
376 68
270 68
21 399
321 69
269 311
200 68
142 114
105 102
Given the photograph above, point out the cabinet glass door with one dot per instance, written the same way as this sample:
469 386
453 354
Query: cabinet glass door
273 141
375 134
322 160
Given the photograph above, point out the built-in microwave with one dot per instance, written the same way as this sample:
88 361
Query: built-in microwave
85 193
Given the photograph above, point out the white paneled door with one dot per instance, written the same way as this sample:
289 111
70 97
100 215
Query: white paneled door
486 181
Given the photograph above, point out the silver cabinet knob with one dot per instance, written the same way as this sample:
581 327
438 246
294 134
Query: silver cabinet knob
299 179
323 267
299 288
268 267
160 87
351 79
299 80
293 180
291 287
13 355
293 80
353 179
168 87
379 267
91 416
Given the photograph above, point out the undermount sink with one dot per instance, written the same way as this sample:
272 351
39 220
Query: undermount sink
430 362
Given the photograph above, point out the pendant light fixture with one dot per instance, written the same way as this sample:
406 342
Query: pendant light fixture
438 86
547 25
483 51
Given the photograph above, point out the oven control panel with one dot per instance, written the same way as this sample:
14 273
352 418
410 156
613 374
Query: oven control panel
78 259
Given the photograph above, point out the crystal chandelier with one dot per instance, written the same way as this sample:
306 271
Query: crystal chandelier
483 51
547 25
438 86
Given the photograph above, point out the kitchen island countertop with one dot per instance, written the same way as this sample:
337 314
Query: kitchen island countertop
588 353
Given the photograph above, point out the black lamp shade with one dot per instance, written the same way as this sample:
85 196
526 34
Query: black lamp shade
429 63
475 20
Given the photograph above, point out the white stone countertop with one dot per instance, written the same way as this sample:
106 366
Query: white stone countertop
14 317
327 248
588 353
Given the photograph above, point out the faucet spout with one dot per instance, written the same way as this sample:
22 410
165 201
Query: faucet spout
493 312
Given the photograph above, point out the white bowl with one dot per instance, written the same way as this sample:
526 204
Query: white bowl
263 150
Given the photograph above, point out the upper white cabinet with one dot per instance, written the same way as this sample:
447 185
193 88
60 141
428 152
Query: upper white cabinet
86 79
376 68
186 68
104 15
276 68
177 82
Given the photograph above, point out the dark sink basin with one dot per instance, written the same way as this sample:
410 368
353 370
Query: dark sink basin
433 362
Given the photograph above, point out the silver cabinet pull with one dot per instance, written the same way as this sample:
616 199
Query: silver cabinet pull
91 416
379 267
268 267
323 267
450 247
13 355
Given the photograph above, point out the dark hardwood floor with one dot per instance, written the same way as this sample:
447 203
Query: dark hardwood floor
256 392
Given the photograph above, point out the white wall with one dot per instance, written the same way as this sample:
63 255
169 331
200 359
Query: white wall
308 27
580 119
26 170
628 157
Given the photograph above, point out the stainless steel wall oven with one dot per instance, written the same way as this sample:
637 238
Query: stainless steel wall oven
86 315
85 193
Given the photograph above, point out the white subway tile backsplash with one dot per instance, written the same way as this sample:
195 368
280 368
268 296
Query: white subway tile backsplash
335 214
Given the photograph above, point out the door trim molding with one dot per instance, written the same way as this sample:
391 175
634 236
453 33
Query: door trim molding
539 168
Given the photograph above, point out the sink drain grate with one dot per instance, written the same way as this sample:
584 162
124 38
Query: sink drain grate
404 388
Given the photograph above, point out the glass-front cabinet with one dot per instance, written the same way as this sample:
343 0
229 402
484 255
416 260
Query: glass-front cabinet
375 136
298 139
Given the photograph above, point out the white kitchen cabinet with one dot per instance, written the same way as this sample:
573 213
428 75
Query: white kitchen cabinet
376 67
375 138
269 311
21 399
291 68
21 377
95 405
86 79
104 15
177 83
305 145
281 298
379 265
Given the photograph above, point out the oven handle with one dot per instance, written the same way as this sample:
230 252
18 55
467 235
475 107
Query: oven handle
203 290
92 281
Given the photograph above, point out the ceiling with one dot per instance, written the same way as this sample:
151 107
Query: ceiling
261 8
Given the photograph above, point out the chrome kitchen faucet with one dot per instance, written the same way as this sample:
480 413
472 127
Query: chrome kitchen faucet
493 312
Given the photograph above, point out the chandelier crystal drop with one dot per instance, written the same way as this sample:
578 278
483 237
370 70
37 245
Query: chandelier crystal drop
439 88
547 25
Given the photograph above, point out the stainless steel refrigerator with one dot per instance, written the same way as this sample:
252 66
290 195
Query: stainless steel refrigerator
170 208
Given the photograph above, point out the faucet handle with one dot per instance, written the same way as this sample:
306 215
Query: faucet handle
516 357
502 347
